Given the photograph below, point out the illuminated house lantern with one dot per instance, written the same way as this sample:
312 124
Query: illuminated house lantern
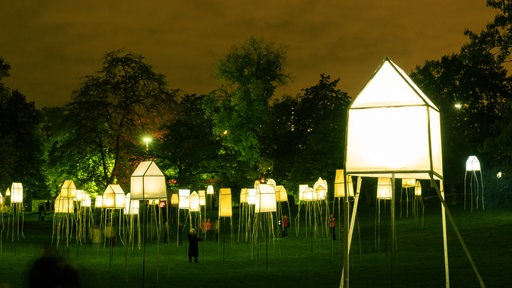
68 189
281 194
476 184
194 202
113 197
309 194
148 182
16 193
339 184
389 104
320 188
265 198
225 204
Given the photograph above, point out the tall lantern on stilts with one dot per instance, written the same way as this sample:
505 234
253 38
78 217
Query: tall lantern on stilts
17 212
476 183
148 183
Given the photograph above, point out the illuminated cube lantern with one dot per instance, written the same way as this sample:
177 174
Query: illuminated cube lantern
265 198
194 202
243 196
98 202
68 189
64 205
80 194
251 196
339 184
408 182
148 182
384 190
113 197
131 207
225 205
184 201
417 189
16 192
302 188
175 200
86 201
281 194
202 198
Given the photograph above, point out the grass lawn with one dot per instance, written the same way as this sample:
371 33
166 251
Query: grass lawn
294 261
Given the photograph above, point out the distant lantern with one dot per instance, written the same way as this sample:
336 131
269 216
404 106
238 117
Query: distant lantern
184 201
339 184
309 195
80 194
86 201
417 189
302 188
16 192
64 205
473 164
408 182
202 198
225 205
320 188
98 202
384 190
209 190
265 198
8 192
113 197
68 189
281 194
131 207
251 196
271 182
175 200
243 196
1 199
194 202
148 182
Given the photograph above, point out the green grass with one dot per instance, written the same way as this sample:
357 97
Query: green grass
296 261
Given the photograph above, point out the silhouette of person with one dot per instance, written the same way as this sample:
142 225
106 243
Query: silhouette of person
51 271
193 247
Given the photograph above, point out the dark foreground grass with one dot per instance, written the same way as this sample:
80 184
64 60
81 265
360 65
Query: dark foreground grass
295 261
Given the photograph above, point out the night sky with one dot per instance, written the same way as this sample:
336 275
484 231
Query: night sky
51 45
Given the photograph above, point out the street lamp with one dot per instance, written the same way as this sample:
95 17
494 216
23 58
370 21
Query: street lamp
147 140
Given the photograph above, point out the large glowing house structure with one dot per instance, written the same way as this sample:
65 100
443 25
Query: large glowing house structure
390 105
